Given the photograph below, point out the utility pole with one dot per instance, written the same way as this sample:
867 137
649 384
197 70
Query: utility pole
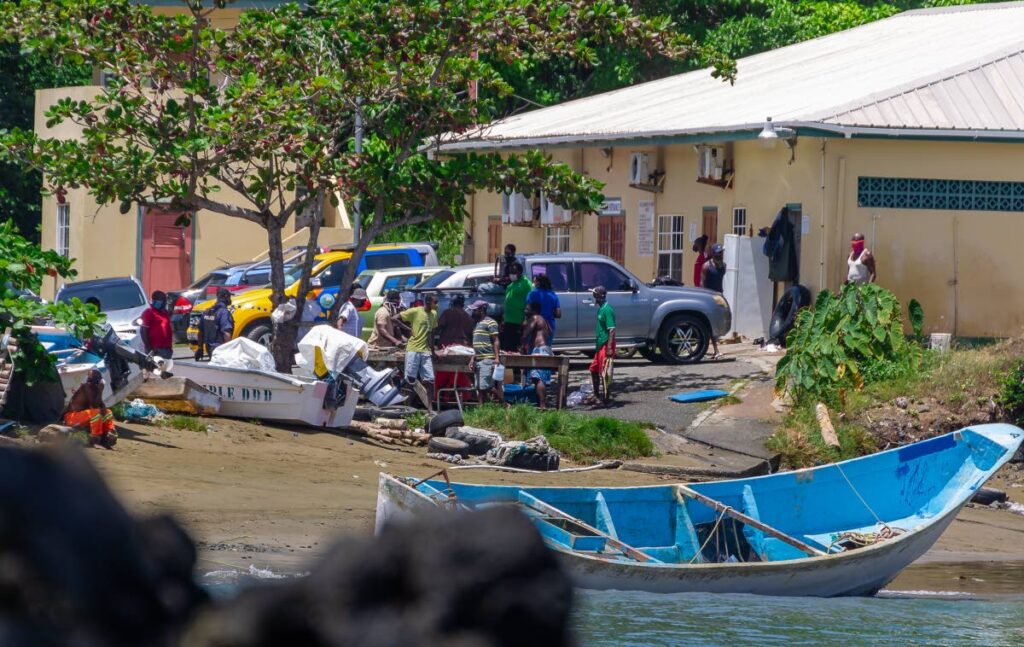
358 206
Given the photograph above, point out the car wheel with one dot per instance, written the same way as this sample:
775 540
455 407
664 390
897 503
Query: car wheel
262 334
683 339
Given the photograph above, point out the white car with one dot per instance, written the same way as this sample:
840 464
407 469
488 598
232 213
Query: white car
378 283
122 299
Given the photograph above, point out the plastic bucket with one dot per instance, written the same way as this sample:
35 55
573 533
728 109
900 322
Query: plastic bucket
940 341
499 373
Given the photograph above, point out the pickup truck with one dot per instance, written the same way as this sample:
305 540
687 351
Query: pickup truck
664 323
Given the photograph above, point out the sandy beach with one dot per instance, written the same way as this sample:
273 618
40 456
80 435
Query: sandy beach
259 495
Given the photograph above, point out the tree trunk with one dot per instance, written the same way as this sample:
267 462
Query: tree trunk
283 341
349 275
285 333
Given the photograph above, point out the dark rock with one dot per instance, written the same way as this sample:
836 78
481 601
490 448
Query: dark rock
988 496
902 402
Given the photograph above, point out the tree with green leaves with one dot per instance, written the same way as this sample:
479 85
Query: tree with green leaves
266 111
22 75
23 266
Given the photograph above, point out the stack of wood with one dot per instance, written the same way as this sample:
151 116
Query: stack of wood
392 432
7 347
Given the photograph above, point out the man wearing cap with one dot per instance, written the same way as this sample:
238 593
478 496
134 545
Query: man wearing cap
712 276
486 349
349 321
455 326
419 351
86 411
604 342
216 326
384 333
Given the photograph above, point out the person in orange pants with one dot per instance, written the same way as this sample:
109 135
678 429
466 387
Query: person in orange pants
87 411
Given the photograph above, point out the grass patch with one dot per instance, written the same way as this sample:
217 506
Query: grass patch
727 400
799 440
184 423
574 435
416 420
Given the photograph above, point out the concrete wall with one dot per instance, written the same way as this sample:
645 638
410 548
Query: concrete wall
106 243
961 265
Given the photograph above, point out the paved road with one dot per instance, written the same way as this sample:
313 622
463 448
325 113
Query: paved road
641 389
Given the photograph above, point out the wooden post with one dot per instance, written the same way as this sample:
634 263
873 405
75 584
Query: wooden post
718 506
828 432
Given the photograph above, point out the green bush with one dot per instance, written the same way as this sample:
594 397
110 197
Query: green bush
1011 395
846 341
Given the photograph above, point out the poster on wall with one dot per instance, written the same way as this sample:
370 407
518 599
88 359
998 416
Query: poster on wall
693 231
645 228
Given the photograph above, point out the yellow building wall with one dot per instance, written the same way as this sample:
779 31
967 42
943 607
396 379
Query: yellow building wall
963 266
106 243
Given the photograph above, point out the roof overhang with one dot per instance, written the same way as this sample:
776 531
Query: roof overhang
739 132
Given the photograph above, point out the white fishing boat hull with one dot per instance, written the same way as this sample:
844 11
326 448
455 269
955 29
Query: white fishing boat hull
74 365
248 394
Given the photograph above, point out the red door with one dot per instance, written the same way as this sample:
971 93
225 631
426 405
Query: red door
166 251
611 237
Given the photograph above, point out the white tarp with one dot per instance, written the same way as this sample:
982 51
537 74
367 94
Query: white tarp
243 353
338 348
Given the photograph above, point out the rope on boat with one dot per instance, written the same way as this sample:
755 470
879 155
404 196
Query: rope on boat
856 540
713 533
885 527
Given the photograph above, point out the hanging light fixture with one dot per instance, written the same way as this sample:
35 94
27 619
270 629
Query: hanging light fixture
768 132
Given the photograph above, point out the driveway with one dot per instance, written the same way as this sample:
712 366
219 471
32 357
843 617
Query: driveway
641 389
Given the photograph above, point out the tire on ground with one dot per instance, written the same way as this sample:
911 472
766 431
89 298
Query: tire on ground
442 445
440 423
784 316
479 441
259 331
683 330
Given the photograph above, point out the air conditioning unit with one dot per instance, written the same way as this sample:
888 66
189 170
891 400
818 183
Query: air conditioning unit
639 168
515 209
553 215
710 162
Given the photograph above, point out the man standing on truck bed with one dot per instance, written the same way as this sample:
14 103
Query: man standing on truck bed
216 326
515 308
604 344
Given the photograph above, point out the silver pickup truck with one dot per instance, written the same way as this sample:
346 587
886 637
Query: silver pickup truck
665 323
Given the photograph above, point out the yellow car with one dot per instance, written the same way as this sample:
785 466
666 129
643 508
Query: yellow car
251 309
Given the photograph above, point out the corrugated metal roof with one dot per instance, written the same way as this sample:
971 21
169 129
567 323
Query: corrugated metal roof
934 69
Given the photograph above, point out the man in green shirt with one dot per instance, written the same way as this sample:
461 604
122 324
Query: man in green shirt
419 350
515 308
604 341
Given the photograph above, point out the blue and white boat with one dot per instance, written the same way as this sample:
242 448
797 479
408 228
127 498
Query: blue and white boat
840 529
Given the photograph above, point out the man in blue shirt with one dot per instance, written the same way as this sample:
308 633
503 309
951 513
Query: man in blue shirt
547 301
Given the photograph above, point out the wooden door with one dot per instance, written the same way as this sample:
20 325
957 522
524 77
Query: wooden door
611 237
166 251
493 238
710 224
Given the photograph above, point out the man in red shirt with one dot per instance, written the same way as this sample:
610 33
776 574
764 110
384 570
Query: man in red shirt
156 327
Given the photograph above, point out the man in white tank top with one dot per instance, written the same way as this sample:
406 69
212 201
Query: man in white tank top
861 262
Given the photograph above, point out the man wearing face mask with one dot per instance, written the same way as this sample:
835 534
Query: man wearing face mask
156 327
604 345
216 326
515 308
861 262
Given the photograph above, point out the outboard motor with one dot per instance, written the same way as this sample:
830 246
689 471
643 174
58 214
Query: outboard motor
376 386
118 355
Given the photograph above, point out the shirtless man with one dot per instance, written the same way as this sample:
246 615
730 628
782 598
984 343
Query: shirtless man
537 341
87 411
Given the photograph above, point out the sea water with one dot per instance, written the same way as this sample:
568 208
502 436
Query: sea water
975 604
923 618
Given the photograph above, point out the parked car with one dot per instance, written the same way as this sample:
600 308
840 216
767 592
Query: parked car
252 308
182 301
378 283
674 324
122 299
